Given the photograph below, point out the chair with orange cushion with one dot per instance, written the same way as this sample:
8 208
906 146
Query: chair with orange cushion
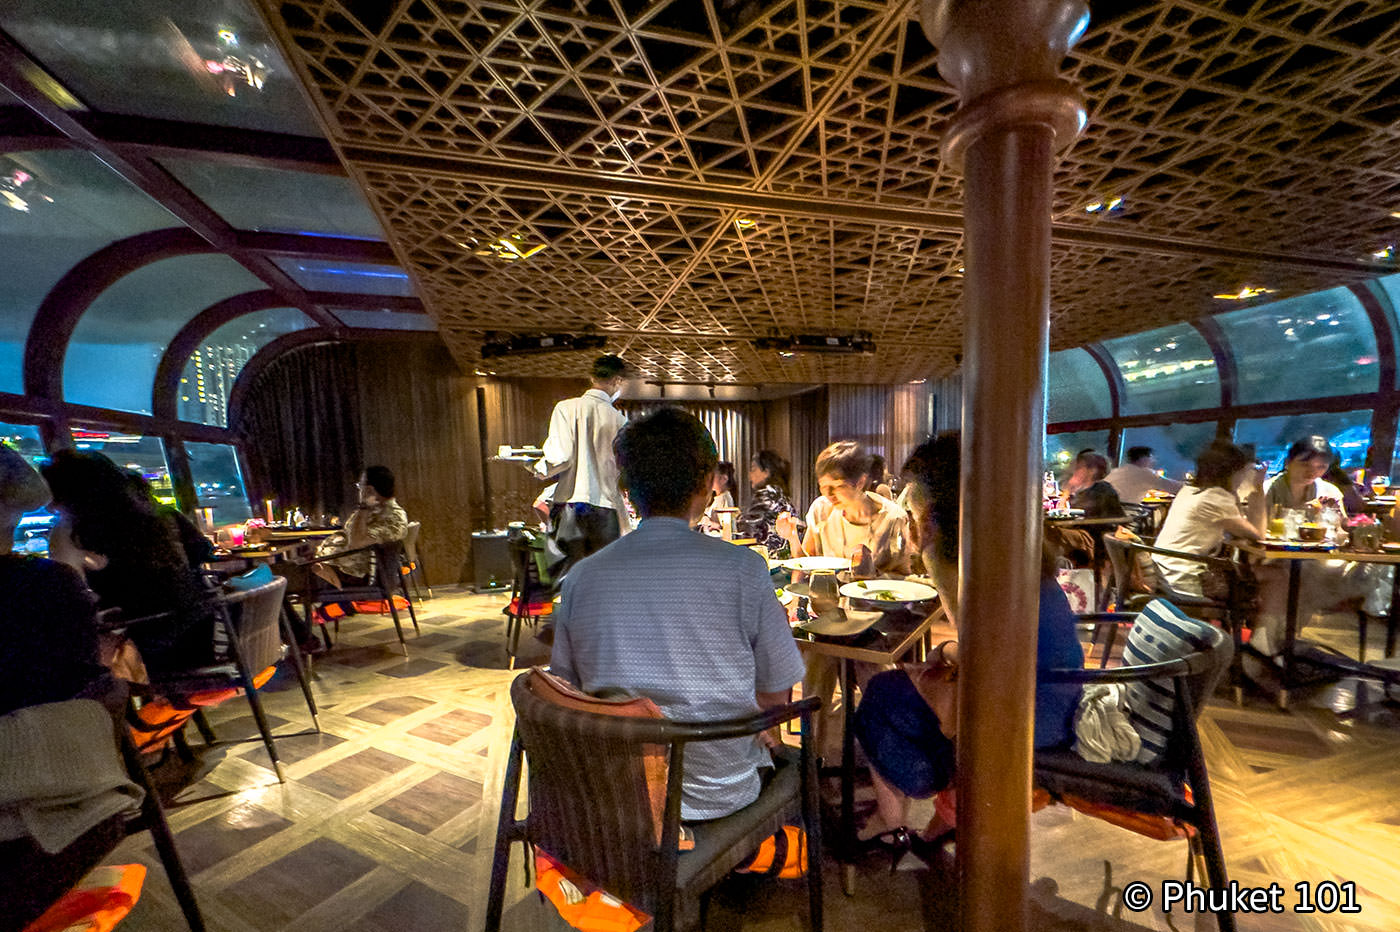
1172 664
605 801
532 590
255 643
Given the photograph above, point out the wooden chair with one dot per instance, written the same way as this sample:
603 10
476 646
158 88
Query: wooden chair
1170 797
590 805
387 561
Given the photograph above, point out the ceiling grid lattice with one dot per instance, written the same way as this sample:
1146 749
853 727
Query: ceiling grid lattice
1248 143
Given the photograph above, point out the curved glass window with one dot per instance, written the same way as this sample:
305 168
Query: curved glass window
214 366
218 482
145 455
1310 346
206 62
56 208
112 358
1349 432
1387 290
384 320
1175 446
1169 369
276 200
1061 449
355 277
1075 388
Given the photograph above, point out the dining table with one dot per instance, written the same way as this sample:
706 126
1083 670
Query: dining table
1296 553
899 636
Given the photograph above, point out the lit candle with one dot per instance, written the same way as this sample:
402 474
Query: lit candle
267 510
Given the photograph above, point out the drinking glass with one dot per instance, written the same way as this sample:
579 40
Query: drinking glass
1379 484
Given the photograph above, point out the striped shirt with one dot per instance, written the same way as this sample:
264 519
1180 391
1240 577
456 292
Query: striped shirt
692 623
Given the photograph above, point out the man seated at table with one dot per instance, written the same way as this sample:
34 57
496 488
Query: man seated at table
689 621
377 519
1138 475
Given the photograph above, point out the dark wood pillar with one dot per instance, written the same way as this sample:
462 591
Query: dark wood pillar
1003 57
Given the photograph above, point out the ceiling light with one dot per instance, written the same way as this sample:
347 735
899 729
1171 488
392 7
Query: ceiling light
228 37
1245 293
1395 214
1386 252
507 248
917 381
786 354
744 223
1104 205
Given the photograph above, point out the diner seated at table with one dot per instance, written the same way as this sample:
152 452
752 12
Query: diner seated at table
722 495
1089 491
870 531
378 518
1137 475
199 549
1353 495
906 722
686 620
132 559
48 640
1301 483
769 478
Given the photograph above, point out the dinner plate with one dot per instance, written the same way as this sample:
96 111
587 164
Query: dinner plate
1279 544
1066 513
815 564
887 594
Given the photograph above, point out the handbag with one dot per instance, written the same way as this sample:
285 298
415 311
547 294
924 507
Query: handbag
1228 581
1079 587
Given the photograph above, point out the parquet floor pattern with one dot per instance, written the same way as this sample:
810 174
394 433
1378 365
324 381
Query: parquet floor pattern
387 818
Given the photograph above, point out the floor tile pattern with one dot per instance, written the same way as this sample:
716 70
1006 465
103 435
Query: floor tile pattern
387 817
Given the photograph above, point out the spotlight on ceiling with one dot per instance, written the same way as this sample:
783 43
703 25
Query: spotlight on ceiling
1245 293
523 345
817 343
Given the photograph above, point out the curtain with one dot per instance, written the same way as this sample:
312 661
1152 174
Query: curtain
738 428
299 429
886 419
947 403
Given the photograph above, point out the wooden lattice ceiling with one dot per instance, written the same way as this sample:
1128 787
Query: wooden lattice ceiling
704 173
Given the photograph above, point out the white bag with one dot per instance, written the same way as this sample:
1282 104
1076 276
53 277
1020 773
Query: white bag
1079 587
1102 730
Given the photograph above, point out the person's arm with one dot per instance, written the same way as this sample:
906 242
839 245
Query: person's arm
558 448
561 655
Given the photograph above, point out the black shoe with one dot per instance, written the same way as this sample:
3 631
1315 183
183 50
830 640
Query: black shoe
896 842
929 850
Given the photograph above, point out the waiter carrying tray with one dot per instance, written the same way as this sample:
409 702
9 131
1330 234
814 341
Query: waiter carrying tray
588 511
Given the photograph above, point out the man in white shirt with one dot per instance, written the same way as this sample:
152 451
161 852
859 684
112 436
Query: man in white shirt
1137 476
588 511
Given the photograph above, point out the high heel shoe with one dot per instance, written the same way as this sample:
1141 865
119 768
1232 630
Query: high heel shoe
896 842
929 850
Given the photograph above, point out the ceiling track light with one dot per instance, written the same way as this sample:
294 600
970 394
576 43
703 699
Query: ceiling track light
817 343
526 345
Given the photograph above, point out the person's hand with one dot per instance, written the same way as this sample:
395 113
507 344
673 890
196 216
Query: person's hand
786 527
1260 473
770 739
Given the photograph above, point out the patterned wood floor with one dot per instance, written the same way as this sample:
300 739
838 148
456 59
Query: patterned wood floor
387 818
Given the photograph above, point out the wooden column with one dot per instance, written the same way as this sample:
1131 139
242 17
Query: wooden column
1003 57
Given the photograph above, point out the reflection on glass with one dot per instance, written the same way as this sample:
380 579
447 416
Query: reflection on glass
214 366
206 62
1176 446
1323 341
1387 291
277 200
32 533
357 277
1349 433
218 481
1075 388
1061 449
384 320
1169 369
56 208
145 455
111 362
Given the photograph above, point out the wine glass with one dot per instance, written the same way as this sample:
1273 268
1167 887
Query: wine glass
1380 484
